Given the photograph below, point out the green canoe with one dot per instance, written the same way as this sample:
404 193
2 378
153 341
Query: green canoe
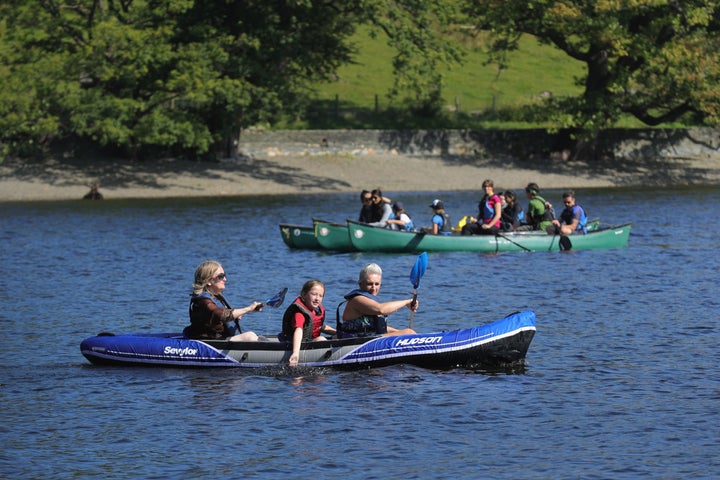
299 236
366 238
332 236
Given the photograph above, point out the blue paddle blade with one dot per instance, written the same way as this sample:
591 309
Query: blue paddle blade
418 269
277 300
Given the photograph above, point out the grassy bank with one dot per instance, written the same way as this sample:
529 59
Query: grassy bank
474 94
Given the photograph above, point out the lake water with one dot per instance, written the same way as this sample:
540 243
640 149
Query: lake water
621 380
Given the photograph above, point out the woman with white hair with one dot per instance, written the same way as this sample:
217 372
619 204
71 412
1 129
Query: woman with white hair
364 314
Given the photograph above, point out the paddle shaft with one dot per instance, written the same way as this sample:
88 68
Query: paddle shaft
412 311
514 243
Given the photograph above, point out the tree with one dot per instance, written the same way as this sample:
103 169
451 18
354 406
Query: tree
656 60
418 31
171 74
187 75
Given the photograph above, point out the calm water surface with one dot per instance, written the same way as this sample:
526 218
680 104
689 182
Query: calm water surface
621 380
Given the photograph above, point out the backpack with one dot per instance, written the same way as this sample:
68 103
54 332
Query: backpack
549 214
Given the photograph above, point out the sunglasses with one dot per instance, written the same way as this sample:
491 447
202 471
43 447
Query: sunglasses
367 199
221 276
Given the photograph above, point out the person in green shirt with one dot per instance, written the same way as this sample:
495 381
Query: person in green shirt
540 213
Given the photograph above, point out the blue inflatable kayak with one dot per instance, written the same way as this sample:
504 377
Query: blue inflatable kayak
504 341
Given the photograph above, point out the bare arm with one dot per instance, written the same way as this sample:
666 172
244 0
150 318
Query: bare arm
398 221
297 341
237 313
366 306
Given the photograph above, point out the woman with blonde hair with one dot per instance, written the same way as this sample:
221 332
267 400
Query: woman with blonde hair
210 314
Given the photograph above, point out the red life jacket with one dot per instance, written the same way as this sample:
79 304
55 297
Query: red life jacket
313 321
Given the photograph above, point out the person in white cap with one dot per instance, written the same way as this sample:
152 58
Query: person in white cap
441 224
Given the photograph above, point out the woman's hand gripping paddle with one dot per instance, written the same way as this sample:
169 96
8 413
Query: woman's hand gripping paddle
416 274
274 302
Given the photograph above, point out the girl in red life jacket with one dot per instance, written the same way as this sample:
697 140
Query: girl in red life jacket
304 319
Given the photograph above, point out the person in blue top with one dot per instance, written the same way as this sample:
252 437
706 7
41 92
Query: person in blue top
210 314
572 220
400 220
441 224
364 314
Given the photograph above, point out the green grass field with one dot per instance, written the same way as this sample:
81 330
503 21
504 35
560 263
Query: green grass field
471 88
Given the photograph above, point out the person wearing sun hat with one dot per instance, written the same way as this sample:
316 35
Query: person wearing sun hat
441 224
400 220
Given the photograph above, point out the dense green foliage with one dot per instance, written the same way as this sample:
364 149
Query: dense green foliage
171 74
656 60
185 77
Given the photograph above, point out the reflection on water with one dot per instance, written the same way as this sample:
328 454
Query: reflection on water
620 381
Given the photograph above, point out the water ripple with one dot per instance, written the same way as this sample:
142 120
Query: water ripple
621 380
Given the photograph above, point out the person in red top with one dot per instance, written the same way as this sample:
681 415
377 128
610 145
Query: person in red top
304 319
490 212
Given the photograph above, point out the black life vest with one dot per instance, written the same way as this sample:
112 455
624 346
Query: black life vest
547 216
289 320
447 226
364 326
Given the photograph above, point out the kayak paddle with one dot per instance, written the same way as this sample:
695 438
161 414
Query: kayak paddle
416 274
274 301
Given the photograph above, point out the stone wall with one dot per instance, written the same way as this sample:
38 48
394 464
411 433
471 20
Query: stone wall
519 144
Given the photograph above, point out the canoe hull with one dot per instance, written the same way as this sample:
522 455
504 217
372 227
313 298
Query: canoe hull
503 342
374 239
332 236
299 236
